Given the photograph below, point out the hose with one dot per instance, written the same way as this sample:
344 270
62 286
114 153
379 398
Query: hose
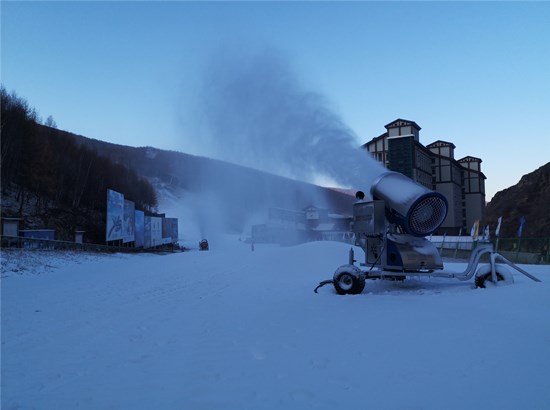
323 283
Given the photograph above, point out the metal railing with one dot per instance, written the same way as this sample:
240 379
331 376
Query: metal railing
19 242
517 250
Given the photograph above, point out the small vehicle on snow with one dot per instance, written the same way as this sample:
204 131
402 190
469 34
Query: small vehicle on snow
203 245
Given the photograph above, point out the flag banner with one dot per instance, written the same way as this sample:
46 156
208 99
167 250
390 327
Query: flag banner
521 224
486 234
474 233
497 231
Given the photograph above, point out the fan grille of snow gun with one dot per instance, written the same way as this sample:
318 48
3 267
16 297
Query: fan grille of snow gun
413 207
427 215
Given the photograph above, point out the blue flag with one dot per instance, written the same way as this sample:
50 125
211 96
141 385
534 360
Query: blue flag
521 223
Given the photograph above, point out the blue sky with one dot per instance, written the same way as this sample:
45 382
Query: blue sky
473 73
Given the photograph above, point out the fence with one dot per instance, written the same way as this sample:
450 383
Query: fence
518 250
46 244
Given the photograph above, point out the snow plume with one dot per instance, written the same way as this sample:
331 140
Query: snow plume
257 114
253 112
224 198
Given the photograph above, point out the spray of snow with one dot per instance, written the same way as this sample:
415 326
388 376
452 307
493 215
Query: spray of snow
253 111
256 114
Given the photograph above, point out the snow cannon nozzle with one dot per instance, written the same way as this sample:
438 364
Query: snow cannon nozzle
417 209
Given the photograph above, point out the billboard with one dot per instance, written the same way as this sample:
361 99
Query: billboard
147 232
128 222
156 231
170 229
140 228
115 213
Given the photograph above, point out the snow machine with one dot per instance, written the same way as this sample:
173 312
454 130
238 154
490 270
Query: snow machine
392 228
203 245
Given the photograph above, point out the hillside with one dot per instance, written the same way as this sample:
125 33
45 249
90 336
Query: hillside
50 181
530 197
226 194
223 196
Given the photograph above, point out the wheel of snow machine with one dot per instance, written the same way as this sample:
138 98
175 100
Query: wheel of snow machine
484 277
349 281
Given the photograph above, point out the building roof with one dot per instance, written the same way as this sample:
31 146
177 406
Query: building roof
441 143
381 136
470 159
401 122
401 136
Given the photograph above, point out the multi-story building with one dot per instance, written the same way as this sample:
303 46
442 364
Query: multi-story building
474 189
434 166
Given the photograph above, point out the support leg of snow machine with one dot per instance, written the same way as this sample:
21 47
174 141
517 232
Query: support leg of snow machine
473 262
493 273
506 261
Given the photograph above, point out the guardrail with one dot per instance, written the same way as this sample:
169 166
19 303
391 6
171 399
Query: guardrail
528 250
48 244
525 250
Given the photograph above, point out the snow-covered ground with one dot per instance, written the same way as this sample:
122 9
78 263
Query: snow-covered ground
235 329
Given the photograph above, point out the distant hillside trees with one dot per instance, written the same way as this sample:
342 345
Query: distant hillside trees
49 164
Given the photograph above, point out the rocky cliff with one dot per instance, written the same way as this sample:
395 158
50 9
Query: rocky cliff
530 197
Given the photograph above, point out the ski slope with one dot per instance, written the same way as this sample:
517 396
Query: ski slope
233 328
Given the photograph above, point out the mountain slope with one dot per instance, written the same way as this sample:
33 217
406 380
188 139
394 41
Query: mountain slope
530 197
224 196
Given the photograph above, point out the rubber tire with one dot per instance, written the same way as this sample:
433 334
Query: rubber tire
347 283
484 276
